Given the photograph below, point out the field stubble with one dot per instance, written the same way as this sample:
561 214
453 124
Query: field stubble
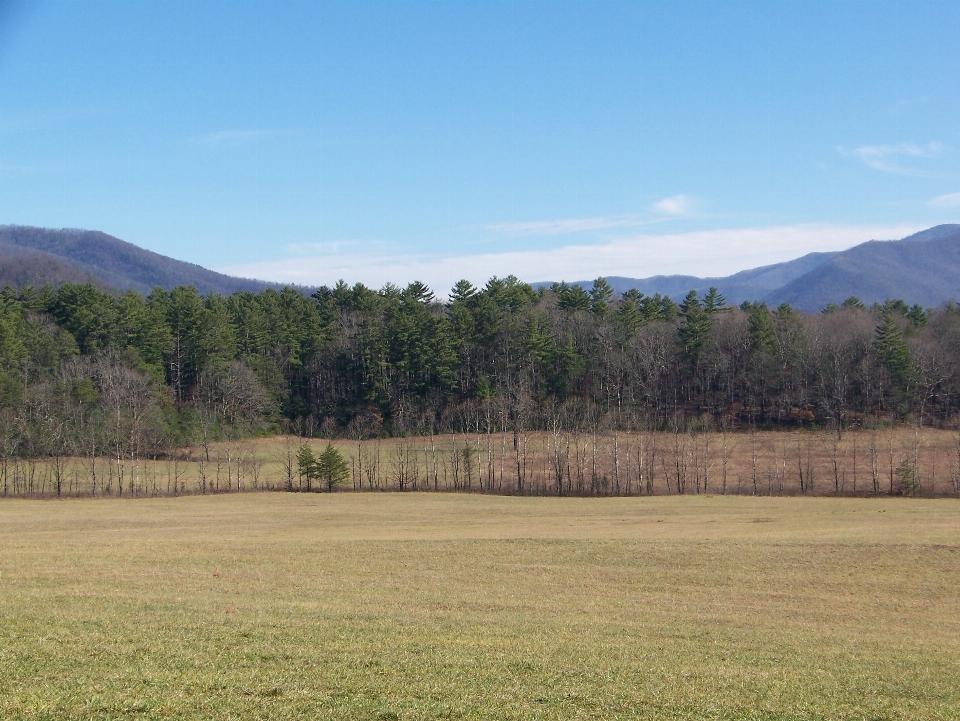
893 461
441 606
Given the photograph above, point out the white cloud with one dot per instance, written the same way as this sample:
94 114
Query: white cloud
884 157
329 247
906 105
564 225
950 200
674 205
702 253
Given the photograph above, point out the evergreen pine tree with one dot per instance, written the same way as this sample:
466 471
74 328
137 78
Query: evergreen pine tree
574 298
714 302
668 310
462 292
694 326
917 316
306 466
331 469
629 317
892 350
762 335
601 295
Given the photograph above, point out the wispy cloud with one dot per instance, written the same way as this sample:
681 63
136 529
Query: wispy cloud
703 253
331 247
887 158
674 205
565 226
950 200
236 137
905 105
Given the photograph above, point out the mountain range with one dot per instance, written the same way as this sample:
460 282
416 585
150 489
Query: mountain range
922 268
42 255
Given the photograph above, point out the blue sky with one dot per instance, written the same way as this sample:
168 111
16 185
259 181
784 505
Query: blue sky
393 141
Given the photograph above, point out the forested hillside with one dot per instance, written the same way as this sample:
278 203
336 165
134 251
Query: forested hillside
45 255
85 372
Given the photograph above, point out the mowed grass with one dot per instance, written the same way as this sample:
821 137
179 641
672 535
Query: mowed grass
445 606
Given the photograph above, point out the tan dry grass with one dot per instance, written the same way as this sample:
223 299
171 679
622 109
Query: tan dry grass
761 463
430 606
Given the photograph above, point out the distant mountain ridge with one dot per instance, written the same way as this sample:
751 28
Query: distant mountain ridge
922 268
745 285
44 255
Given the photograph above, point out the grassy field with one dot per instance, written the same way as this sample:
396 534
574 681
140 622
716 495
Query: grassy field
450 606
893 461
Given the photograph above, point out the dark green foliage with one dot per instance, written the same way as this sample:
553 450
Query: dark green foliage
762 332
88 313
422 348
462 292
483 391
629 316
694 325
892 350
566 367
601 295
538 343
306 467
83 391
571 297
663 308
82 369
917 316
714 302
331 469
13 349
895 306
328 469
141 327
510 293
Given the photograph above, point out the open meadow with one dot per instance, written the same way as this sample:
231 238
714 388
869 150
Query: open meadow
468 606
897 460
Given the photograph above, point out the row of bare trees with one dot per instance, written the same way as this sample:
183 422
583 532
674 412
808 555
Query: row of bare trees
894 461
561 462
112 419
95 408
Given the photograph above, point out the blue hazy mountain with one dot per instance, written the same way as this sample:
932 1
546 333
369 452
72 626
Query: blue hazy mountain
39 256
922 268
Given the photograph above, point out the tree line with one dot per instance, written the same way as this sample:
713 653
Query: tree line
87 372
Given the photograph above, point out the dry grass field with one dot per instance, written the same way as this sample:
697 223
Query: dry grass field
892 461
466 606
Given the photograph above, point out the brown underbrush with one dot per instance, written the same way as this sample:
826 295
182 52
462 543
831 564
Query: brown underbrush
891 461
